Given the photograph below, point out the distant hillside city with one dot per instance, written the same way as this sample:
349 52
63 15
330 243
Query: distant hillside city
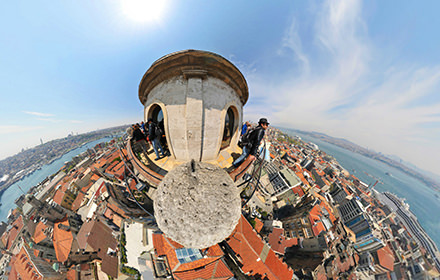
14 168
428 180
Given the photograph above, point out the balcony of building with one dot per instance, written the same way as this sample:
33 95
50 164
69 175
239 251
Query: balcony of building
143 158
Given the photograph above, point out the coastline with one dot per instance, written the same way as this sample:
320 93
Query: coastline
28 182
352 147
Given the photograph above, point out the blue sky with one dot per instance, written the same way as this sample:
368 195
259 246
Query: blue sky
365 71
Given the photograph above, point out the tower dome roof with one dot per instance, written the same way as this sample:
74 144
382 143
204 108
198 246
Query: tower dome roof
193 63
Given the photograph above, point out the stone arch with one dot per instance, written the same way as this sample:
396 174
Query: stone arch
231 119
157 111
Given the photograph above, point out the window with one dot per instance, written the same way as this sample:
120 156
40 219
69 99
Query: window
185 255
230 127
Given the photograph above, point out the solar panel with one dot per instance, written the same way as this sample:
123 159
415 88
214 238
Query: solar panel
186 255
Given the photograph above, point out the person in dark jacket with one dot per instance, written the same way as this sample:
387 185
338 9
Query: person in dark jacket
154 137
250 148
139 138
137 133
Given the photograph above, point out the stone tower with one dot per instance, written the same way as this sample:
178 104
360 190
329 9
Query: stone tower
198 98
201 97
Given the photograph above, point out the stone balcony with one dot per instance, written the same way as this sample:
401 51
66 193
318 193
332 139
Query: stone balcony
153 171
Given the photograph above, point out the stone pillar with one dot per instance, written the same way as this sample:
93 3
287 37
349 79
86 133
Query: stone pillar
194 118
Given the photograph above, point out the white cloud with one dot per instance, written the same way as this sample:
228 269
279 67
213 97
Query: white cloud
292 42
15 129
38 114
49 120
351 93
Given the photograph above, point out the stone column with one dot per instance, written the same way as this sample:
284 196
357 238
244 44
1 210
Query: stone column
194 113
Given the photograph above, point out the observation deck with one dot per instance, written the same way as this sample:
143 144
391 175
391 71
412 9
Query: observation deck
153 171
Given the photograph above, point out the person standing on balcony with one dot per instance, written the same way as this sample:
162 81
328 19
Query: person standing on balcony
144 128
251 141
245 127
154 135
130 131
139 137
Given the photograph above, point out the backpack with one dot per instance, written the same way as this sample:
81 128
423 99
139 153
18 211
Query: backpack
157 131
245 139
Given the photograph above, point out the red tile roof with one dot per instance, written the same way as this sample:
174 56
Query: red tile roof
71 274
386 258
118 170
58 197
303 180
249 249
113 216
318 228
78 201
39 234
165 246
94 178
275 240
9 237
258 225
298 190
133 185
22 267
96 235
62 240
278 242
117 210
217 269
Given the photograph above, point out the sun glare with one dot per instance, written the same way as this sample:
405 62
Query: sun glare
143 10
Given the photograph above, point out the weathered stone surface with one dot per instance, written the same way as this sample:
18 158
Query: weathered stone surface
195 111
195 89
197 205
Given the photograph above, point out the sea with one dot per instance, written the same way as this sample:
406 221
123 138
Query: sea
21 187
423 201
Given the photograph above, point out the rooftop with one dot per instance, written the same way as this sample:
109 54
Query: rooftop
256 256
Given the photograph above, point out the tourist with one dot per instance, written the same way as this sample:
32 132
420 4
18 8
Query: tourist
140 138
251 141
154 135
130 131
245 127
144 129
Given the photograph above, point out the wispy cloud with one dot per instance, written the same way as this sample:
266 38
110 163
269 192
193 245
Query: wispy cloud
347 91
38 114
292 42
49 120
9 129
52 120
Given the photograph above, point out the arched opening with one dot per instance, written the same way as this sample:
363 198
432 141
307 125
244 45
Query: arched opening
229 128
156 114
